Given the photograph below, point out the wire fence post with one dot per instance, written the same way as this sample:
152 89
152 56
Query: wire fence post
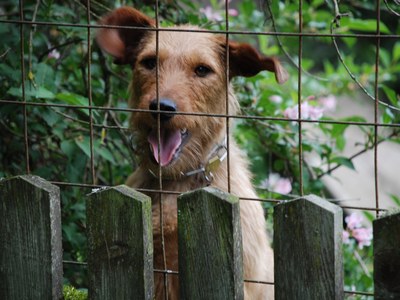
30 239
120 244
308 249
387 257
210 245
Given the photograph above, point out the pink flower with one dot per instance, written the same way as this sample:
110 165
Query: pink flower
307 112
211 14
275 99
233 12
363 236
291 112
277 184
328 103
54 54
315 113
354 221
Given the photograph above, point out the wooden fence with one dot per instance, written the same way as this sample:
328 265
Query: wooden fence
307 245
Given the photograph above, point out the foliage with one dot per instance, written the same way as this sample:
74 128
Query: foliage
358 254
71 293
55 63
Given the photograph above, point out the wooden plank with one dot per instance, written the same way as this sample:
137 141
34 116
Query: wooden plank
387 257
120 244
308 250
30 239
210 245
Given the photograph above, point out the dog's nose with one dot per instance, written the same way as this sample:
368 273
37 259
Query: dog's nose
166 105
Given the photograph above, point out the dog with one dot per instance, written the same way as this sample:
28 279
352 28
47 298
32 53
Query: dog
192 78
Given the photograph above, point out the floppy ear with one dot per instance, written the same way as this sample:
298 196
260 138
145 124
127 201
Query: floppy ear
122 43
246 61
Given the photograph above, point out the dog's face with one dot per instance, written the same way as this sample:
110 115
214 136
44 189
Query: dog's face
190 78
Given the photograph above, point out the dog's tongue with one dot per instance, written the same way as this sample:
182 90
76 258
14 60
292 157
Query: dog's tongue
170 141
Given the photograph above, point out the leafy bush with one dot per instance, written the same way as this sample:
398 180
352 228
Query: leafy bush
55 59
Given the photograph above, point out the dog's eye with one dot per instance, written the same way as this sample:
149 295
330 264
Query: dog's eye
149 63
202 71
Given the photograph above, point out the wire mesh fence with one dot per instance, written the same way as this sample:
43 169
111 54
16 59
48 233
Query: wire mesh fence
49 46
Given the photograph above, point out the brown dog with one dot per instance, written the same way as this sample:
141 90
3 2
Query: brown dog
191 78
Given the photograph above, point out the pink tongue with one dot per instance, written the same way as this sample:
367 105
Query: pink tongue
170 141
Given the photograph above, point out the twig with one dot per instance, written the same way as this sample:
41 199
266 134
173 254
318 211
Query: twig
391 9
362 263
338 14
280 44
335 22
91 11
31 76
86 122
124 138
394 133
5 53
68 42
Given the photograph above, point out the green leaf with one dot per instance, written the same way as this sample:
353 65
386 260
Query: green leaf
385 58
84 144
44 75
274 8
363 25
353 119
395 199
340 142
391 94
338 129
343 161
73 99
105 153
69 148
30 91
50 117
388 116
396 51
11 73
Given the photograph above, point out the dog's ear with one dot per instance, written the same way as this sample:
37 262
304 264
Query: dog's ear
122 43
246 61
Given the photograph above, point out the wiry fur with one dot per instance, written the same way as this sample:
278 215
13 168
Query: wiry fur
179 55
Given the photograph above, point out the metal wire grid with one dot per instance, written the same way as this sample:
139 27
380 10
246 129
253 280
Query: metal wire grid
300 35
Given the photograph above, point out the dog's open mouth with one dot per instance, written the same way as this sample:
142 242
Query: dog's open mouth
171 143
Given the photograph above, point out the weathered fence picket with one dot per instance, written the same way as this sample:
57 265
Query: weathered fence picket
30 239
387 257
210 245
308 249
120 242
307 245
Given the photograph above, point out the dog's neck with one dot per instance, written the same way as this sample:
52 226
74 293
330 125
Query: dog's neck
205 172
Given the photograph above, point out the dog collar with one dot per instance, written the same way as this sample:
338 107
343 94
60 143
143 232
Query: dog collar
217 155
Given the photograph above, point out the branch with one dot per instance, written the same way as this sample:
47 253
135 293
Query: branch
280 44
31 76
68 42
5 53
338 14
391 9
335 22
393 134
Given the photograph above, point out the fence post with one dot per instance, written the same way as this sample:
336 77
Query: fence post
387 257
308 249
210 245
30 239
120 244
